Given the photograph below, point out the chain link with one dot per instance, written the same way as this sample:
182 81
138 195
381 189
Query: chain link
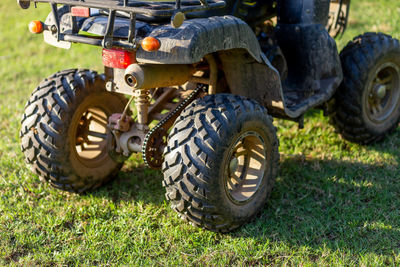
159 126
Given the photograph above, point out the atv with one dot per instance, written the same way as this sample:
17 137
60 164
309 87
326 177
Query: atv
203 79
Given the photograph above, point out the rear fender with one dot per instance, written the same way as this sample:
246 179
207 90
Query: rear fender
199 37
188 44
247 71
256 80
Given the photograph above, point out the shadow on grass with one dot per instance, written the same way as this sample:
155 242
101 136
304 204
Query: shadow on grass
338 205
316 203
138 184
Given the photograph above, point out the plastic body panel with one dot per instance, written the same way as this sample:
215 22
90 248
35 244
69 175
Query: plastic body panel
188 43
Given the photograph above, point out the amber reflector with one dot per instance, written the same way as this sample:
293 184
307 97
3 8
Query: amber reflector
150 44
36 26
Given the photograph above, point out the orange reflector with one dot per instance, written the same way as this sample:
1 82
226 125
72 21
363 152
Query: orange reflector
36 27
150 44
116 58
78 11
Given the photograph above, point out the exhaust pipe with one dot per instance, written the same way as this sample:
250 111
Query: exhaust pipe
148 76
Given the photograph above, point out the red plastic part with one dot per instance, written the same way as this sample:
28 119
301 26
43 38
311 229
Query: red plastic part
78 11
119 59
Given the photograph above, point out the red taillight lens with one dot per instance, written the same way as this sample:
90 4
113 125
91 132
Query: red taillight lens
78 11
119 59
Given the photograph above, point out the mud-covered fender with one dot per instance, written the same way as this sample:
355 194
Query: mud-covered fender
257 80
188 44
199 37
247 71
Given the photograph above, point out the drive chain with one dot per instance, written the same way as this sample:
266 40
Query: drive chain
152 151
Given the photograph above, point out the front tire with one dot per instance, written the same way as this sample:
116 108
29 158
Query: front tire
64 130
221 161
366 107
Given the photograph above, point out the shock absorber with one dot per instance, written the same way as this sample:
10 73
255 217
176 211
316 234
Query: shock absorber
142 103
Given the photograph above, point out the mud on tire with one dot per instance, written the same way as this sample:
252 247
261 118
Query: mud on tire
366 107
221 161
63 132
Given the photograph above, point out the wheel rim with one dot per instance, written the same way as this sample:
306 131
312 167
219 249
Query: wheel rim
90 145
382 98
246 167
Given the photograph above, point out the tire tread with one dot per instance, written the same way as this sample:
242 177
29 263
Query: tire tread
345 110
187 165
43 127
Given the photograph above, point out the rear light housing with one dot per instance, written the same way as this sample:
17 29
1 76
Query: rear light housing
36 27
150 44
117 58
77 11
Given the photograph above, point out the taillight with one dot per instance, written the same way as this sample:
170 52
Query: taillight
119 59
78 11
150 44
36 27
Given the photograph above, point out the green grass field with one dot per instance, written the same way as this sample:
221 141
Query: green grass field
334 203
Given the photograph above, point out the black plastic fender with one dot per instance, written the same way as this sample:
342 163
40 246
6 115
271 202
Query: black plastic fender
247 70
187 44
199 37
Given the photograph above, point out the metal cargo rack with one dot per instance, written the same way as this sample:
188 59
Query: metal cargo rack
127 8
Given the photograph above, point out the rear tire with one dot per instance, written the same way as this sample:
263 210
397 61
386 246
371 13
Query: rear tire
366 107
221 161
64 130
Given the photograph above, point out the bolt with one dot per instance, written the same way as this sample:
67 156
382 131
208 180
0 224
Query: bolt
53 28
233 165
381 91
108 44
109 86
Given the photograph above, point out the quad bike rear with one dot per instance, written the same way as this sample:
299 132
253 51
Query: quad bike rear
193 87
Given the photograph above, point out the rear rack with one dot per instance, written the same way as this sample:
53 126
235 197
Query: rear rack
132 7
162 9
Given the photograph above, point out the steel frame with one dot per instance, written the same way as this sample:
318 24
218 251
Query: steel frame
157 9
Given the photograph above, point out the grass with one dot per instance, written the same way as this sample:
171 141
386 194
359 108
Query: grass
334 203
